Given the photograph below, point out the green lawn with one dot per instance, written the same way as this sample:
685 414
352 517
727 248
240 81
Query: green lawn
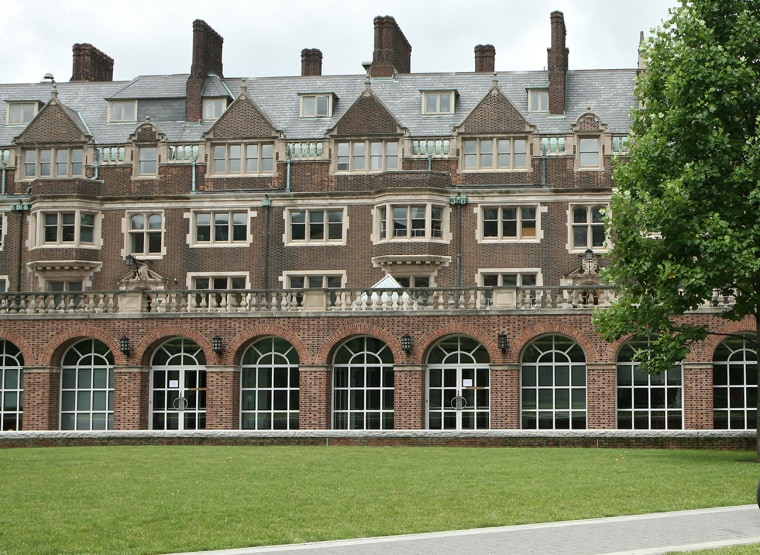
181 498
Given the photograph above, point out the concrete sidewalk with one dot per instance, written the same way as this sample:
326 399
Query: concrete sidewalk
631 535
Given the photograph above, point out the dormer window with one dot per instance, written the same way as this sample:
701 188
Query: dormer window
538 100
122 111
213 108
316 105
438 102
21 113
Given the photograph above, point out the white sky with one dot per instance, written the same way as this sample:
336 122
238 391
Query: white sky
265 37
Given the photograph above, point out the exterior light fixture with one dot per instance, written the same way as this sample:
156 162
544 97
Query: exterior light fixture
501 341
406 343
130 260
588 254
124 345
216 344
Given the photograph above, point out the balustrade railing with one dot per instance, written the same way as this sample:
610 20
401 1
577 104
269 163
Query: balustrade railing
296 300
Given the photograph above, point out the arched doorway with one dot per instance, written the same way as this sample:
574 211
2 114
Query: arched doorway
458 385
178 386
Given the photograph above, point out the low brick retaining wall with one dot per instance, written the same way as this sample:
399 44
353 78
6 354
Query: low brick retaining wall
683 439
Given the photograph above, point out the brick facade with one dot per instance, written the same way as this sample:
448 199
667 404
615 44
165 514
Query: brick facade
481 243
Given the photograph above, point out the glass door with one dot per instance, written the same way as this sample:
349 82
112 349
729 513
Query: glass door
178 387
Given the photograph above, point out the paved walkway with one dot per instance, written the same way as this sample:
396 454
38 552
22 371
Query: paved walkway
630 535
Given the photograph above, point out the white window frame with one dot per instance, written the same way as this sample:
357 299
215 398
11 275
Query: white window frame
272 364
432 102
240 155
386 216
87 390
734 371
21 109
476 156
234 281
310 216
367 156
3 230
3 283
213 108
122 111
145 232
311 105
146 161
555 352
212 224
588 225
11 414
538 101
589 158
520 235
61 226
310 276
47 163
662 393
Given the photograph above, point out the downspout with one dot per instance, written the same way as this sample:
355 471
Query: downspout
193 166
459 201
287 172
266 204
4 156
543 164
430 162
96 166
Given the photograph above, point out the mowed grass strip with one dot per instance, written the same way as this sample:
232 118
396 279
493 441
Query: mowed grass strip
150 499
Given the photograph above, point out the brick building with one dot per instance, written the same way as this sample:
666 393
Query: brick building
385 250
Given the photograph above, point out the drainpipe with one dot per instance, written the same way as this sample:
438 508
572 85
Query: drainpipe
96 166
543 164
287 173
20 209
266 204
4 156
430 162
459 201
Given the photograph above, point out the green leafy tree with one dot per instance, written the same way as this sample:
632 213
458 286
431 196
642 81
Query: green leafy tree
685 215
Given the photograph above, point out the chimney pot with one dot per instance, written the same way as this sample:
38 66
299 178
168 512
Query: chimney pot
311 62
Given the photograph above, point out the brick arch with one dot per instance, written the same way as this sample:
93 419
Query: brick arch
705 350
149 343
53 352
555 328
244 339
18 341
327 349
475 332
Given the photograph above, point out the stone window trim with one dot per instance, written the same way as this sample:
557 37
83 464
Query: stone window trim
485 236
53 162
502 153
241 159
316 104
21 112
411 221
122 111
215 220
73 228
585 229
438 102
314 221
146 252
49 271
365 156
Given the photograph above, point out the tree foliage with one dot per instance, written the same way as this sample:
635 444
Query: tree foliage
685 215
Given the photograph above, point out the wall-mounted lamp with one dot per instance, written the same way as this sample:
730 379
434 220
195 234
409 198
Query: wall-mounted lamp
501 341
130 260
406 343
216 344
588 254
124 345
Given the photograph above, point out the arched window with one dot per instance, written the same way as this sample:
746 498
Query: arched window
553 384
363 385
644 401
178 386
11 386
269 386
735 384
458 385
87 387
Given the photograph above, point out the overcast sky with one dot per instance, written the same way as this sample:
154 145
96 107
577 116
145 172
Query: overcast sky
265 37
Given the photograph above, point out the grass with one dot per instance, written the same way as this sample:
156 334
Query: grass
147 499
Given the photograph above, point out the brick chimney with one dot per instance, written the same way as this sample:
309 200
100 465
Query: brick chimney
485 56
311 62
557 64
90 64
393 53
207 58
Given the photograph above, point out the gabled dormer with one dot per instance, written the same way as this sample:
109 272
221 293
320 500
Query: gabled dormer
52 144
242 140
495 135
147 141
367 137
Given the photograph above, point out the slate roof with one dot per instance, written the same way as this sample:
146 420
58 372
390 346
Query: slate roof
608 93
